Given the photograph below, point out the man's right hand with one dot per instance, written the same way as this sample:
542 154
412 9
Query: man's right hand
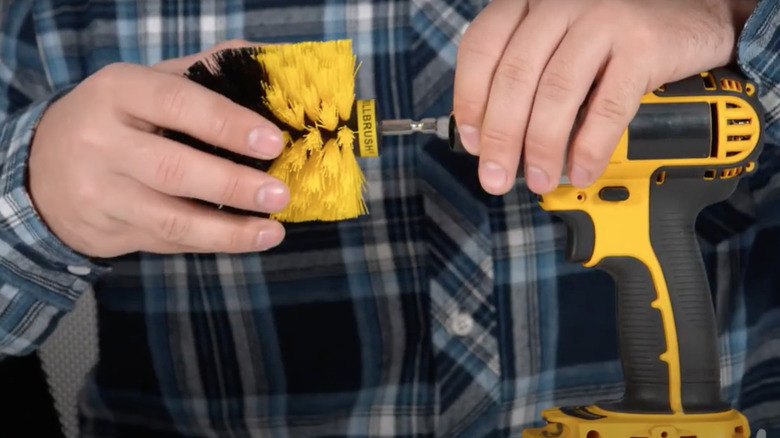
106 184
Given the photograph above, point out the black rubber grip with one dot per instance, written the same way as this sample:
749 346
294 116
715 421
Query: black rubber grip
674 207
641 339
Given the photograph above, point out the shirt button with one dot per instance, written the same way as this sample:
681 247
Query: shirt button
461 324
79 270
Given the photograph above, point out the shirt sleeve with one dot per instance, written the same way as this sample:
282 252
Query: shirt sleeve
758 56
40 277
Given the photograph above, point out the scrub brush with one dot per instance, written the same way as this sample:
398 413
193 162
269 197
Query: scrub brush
307 90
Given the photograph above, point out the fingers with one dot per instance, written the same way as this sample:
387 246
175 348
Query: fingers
178 170
562 89
613 104
133 239
168 101
512 95
478 56
169 224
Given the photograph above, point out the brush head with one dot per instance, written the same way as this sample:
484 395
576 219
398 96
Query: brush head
307 90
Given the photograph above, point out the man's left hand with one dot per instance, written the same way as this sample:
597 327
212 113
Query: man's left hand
526 67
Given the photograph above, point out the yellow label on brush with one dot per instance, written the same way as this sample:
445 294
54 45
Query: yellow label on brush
368 140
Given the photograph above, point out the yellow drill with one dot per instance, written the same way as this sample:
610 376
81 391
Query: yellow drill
686 148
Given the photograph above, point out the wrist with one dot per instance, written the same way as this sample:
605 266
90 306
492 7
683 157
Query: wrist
730 17
740 12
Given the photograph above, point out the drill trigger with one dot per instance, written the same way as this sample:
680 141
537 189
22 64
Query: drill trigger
580 235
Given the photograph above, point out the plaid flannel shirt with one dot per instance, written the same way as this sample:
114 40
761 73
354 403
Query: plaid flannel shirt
444 312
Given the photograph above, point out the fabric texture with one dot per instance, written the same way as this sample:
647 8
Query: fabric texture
66 357
444 312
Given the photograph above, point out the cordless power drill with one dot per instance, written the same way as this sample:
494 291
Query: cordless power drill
687 147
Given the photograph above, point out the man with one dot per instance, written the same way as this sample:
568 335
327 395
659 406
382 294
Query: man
449 310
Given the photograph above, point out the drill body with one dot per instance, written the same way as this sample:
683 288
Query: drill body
687 147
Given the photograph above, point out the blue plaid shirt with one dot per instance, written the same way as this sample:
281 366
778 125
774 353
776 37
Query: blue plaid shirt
444 312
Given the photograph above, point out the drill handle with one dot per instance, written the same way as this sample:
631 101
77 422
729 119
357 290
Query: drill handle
667 367
666 323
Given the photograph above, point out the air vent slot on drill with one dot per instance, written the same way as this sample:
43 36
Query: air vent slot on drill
739 121
731 173
731 85
737 138
709 81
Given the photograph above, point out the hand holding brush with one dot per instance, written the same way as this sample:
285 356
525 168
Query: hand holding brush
145 159
107 184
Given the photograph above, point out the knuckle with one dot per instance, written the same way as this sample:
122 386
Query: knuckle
496 137
514 72
554 85
611 108
589 157
109 76
476 43
594 151
172 99
539 150
89 139
169 171
237 240
220 125
467 110
174 227
231 189
86 192
641 38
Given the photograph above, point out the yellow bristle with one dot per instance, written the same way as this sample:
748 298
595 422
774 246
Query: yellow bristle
288 112
280 167
312 140
345 95
297 155
312 173
329 116
352 178
345 137
310 88
331 159
287 139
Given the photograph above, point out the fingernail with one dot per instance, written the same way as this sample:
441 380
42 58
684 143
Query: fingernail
579 176
264 241
272 196
492 175
265 142
469 136
536 179
269 238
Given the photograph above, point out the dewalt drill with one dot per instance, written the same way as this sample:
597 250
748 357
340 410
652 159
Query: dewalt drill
686 148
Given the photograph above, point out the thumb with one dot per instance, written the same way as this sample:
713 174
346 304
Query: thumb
178 66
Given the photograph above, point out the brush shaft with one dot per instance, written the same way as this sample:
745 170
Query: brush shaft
409 126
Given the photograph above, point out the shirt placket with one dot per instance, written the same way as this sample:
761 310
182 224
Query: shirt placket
463 313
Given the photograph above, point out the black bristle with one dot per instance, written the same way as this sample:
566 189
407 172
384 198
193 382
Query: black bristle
235 74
